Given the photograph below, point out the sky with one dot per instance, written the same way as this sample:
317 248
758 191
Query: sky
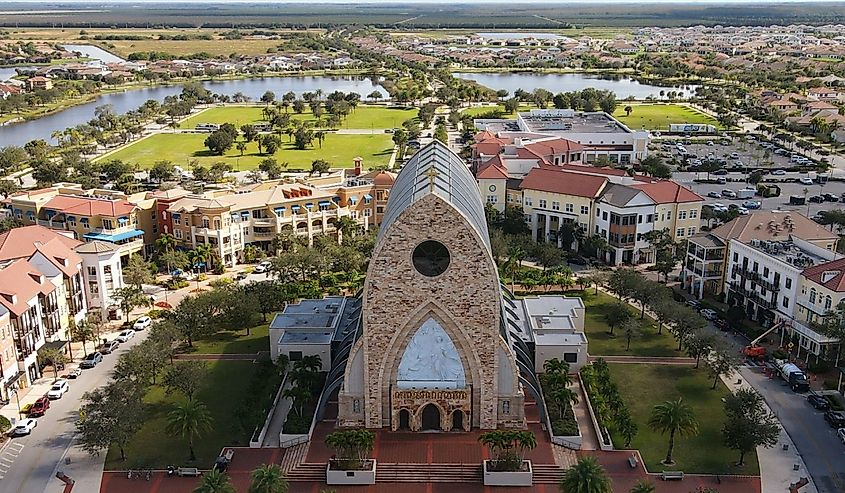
450 2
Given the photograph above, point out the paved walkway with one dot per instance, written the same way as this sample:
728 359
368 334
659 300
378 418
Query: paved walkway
277 421
589 437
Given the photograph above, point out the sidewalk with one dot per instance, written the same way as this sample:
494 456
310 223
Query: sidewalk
777 471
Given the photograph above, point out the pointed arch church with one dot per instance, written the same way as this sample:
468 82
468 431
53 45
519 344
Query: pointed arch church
434 341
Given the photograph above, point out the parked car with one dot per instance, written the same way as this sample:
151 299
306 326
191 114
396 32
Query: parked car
734 155
728 193
40 407
577 260
805 181
142 323
240 276
818 402
714 194
752 204
24 427
125 335
816 199
108 347
58 389
73 374
829 197
693 304
835 419
259 269
722 324
91 360
720 172
778 172
709 314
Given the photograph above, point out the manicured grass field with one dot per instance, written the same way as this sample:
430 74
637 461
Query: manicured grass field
183 149
601 343
659 116
364 117
644 386
235 342
152 446
479 110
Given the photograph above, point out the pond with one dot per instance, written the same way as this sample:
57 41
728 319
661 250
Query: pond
94 53
21 133
623 87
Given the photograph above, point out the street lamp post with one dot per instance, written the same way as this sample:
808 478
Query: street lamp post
18 399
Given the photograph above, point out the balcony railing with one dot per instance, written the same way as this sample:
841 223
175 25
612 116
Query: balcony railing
757 278
754 296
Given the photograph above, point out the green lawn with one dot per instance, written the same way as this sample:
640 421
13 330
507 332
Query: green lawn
659 116
183 149
228 386
601 343
235 342
363 117
644 386
479 110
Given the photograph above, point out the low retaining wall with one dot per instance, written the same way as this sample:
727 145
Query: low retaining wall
256 442
604 445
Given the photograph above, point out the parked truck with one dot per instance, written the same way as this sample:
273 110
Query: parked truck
793 376
745 193
692 128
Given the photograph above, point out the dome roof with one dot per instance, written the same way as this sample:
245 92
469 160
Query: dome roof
453 182
384 178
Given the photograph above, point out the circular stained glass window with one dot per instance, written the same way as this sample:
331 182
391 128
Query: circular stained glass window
431 258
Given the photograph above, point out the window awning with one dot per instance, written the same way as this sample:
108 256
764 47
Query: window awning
368 197
235 215
30 213
277 209
244 215
352 200
114 238
324 203
309 205
294 207
336 199
70 218
84 219
50 214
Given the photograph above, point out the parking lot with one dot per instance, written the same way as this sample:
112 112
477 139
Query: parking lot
732 152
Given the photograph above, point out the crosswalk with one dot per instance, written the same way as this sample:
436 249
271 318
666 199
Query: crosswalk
13 450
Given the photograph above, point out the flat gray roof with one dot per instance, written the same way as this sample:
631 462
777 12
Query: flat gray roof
559 338
578 123
297 336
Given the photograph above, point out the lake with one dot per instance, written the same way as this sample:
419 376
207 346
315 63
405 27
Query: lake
21 133
94 53
623 87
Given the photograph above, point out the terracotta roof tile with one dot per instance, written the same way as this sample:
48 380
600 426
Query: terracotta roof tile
833 272
20 242
762 225
555 180
89 206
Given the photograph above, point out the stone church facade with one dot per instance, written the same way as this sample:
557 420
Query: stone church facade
431 354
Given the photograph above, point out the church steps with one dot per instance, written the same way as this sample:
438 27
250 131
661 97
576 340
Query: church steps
425 473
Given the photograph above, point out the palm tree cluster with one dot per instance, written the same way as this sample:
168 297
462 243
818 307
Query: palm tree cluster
507 448
607 402
352 448
559 398
266 478
587 476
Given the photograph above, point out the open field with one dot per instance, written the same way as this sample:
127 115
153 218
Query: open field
235 342
185 148
601 343
480 110
644 386
364 117
227 386
659 116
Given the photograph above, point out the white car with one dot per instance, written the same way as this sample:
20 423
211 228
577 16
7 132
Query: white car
743 211
259 269
142 323
58 389
125 335
806 181
24 427
708 314
778 172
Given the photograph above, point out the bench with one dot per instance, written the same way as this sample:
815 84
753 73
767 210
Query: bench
632 461
188 471
669 475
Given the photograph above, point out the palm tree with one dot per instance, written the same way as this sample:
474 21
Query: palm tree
564 397
673 417
205 254
215 481
268 478
555 365
347 226
586 476
299 395
642 486
189 420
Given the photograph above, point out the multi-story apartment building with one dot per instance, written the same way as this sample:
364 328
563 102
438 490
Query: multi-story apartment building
821 290
9 373
90 215
602 201
229 221
706 261
102 276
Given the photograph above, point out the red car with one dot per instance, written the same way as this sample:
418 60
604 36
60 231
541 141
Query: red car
40 407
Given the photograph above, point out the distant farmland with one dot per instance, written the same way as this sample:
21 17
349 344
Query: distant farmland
416 16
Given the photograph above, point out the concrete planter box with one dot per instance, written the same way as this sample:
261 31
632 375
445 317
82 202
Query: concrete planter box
509 478
337 476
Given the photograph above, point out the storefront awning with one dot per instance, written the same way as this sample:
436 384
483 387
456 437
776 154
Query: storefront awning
114 238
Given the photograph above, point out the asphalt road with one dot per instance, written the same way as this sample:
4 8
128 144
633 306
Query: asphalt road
33 460
823 452
821 449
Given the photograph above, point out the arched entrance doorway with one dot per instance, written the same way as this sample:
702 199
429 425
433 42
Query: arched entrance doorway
458 421
430 417
404 420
